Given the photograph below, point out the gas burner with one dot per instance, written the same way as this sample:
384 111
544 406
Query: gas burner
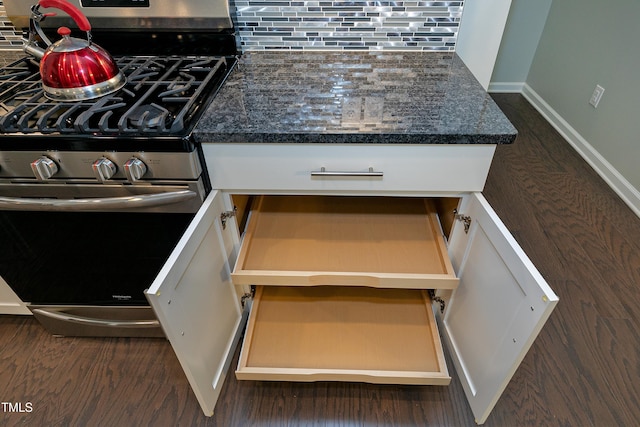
148 116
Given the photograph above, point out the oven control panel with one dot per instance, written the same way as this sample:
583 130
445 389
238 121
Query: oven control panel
104 167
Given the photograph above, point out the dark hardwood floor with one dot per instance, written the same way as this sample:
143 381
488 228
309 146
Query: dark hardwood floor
583 370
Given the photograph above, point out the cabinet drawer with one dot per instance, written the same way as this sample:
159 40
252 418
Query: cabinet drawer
334 333
403 169
358 241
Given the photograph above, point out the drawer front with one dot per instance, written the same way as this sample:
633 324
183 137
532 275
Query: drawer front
329 333
338 240
268 168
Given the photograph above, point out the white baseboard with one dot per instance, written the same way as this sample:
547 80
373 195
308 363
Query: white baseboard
629 194
498 87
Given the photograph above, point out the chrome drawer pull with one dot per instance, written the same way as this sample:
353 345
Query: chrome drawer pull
324 172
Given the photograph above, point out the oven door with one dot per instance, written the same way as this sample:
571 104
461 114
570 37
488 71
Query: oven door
80 256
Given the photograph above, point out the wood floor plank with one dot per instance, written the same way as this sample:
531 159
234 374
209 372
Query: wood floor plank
595 274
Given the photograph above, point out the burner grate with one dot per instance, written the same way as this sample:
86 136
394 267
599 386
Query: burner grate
162 97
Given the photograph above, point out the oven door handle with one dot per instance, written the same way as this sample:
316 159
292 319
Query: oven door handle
126 202
66 317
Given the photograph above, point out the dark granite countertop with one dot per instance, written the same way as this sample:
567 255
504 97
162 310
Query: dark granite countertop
353 97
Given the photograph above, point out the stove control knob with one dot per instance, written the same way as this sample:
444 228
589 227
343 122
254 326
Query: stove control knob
44 168
134 169
104 169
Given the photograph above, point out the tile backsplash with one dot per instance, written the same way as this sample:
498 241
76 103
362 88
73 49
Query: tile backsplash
330 25
348 25
10 39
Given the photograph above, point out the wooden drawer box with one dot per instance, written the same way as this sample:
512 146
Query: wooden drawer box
359 241
334 333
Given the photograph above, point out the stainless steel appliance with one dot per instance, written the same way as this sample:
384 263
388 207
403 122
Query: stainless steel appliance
94 194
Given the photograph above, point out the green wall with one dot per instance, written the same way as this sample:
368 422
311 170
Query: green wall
589 42
520 40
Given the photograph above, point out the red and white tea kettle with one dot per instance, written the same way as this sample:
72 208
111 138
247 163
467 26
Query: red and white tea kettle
71 68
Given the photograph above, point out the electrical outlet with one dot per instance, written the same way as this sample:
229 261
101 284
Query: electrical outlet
351 111
373 107
596 96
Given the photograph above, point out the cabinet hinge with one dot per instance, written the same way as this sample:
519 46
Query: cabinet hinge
224 216
466 219
435 298
244 298
247 295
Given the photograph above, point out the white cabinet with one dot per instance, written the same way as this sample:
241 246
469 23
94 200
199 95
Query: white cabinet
312 327
9 301
481 28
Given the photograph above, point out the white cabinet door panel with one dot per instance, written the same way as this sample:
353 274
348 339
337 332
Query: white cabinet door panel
10 303
498 309
197 304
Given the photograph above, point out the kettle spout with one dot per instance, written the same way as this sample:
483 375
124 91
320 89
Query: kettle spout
30 48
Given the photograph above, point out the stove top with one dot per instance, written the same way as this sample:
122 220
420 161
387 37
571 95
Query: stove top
162 100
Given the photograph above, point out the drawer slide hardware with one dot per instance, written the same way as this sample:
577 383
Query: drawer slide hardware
464 218
224 216
437 299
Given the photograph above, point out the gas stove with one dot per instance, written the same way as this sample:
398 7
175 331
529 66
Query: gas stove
95 194
141 133
174 60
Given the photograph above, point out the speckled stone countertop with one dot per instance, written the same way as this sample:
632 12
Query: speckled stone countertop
353 97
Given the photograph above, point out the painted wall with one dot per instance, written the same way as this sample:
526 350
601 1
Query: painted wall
519 42
589 42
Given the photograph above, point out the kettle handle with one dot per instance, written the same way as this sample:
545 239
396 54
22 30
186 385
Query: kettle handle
71 10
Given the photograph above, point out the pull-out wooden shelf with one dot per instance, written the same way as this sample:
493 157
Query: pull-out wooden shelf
355 241
336 333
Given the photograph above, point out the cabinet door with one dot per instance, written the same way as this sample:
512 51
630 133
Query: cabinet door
500 305
10 302
196 302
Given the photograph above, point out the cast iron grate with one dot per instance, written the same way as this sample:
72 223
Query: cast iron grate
162 96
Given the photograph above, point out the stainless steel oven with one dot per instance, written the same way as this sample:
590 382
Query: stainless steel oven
94 194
